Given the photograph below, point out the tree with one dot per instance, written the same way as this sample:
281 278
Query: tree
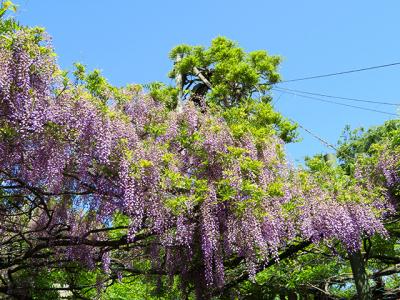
344 267
373 155
227 81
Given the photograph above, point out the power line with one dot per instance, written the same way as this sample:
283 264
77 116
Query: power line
315 136
340 73
277 99
338 103
320 139
337 97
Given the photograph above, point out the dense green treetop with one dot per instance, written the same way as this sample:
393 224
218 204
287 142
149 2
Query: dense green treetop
228 81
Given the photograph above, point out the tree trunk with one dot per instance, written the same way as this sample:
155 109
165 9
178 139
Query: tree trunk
360 275
292 296
179 84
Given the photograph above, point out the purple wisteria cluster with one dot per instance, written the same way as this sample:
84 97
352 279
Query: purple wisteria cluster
200 194
382 169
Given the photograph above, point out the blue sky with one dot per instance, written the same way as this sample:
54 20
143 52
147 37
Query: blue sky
129 41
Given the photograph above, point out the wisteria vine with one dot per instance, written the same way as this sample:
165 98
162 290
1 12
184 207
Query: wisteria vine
71 162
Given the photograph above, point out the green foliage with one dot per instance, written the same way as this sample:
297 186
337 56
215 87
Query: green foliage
163 93
119 220
79 72
234 84
142 287
344 291
127 288
178 185
367 149
7 25
95 84
334 180
393 282
259 119
361 142
300 274
7 6
62 283
234 74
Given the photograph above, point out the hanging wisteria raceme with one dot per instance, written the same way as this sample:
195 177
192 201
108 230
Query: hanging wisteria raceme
382 169
346 221
389 166
72 165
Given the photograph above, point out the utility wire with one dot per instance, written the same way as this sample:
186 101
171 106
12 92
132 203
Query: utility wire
336 97
320 139
277 99
329 145
340 73
338 103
